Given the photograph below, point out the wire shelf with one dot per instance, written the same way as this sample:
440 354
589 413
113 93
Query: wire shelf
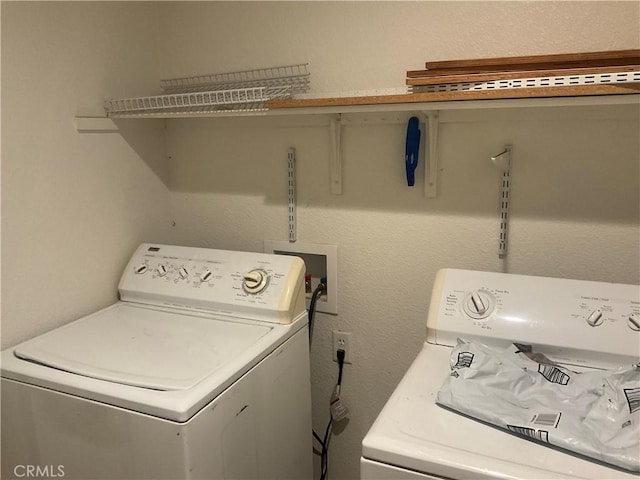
245 99
297 77
244 91
557 81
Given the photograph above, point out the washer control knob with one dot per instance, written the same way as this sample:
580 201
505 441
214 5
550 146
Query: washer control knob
162 270
140 269
206 276
595 318
478 304
255 281
183 272
634 322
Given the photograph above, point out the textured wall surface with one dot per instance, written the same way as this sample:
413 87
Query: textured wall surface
66 196
367 45
575 208
74 206
574 214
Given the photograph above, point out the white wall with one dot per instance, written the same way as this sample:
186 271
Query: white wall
67 196
576 172
363 45
574 214
74 206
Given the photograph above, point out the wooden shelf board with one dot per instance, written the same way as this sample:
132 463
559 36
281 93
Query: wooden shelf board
514 75
460 96
567 59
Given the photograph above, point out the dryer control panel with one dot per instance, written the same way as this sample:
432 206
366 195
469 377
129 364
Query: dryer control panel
257 286
576 321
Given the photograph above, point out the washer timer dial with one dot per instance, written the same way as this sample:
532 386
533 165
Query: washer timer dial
595 318
206 276
478 304
255 281
633 321
140 269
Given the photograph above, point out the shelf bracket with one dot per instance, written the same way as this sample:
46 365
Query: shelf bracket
335 128
431 159
95 124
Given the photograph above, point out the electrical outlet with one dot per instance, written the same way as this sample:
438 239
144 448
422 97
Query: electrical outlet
342 341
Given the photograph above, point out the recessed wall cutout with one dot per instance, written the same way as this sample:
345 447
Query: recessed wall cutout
321 260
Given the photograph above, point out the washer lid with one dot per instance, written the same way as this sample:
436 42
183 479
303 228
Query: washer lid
143 347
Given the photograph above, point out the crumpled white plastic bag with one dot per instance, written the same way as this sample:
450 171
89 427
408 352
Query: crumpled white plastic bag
594 413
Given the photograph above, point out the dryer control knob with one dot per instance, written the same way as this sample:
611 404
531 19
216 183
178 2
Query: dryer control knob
478 304
595 318
634 322
255 281
140 269
183 272
206 276
162 270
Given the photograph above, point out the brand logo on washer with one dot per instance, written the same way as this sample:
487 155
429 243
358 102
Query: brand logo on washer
38 471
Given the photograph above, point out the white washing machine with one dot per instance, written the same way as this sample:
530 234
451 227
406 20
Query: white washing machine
200 371
578 324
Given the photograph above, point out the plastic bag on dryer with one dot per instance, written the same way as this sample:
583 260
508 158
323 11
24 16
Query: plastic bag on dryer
594 413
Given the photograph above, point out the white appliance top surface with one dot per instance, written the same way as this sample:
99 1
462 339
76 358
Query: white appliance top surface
143 347
577 323
191 322
159 361
414 433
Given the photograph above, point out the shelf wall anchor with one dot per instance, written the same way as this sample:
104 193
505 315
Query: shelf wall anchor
503 162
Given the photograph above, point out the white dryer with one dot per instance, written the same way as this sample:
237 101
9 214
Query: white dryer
201 370
577 324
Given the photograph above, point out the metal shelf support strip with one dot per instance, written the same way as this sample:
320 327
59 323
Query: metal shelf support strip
431 159
503 162
291 193
335 132
536 82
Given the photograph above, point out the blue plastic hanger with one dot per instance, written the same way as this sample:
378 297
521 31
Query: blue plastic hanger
411 149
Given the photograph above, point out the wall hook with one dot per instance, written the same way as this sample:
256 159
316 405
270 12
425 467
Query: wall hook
503 159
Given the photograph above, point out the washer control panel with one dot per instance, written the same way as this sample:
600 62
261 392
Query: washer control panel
252 285
569 314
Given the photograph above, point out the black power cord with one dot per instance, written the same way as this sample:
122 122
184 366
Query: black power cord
324 442
340 354
321 289
324 456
